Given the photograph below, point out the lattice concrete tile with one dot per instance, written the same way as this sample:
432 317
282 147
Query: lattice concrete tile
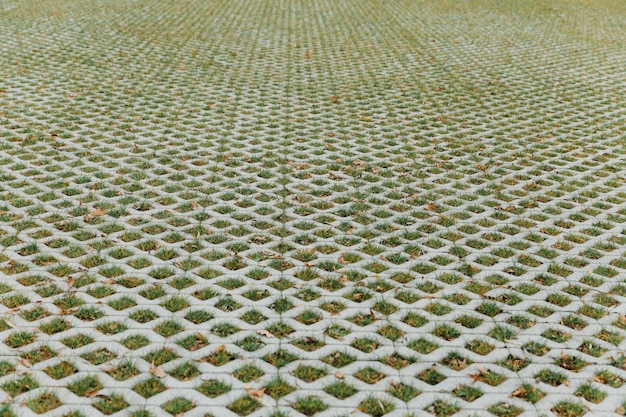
312 208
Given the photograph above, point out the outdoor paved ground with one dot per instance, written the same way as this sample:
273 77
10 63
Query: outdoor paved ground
321 207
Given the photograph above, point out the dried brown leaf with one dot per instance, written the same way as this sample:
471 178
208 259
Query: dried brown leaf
265 333
158 371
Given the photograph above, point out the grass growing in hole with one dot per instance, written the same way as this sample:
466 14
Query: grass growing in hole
503 409
68 302
44 402
574 322
502 333
282 305
213 388
110 328
528 392
403 392
556 335
333 307
369 375
244 405
390 332
514 363
550 377
123 371
185 371
19 339
591 348
607 378
87 386
19 386
278 388
227 304
122 303
248 373
14 301
198 316
336 331
407 296
340 390
168 328
422 345
362 319
431 376
338 359
468 321
224 329
590 393
35 313
385 307
309 317
309 405
365 344
438 309
570 363
160 357
178 406
6 368
467 393
414 319
489 308
149 387
455 361
220 357
193 342
446 332
489 377
143 315
308 344
440 408
110 404
39 354
135 342
569 409
540 311
250 343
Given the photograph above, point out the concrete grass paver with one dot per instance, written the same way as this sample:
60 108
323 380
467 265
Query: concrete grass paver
325 207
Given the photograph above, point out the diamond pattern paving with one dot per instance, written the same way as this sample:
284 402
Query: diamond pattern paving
325 207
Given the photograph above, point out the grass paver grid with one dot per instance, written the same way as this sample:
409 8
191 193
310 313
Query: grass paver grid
312 208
